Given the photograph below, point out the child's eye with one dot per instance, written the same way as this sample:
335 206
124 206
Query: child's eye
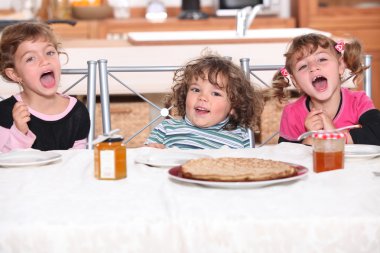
194 89
29 59
51 53
322 59
217 94
301 67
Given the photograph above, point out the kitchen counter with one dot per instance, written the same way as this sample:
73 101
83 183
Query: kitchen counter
117 28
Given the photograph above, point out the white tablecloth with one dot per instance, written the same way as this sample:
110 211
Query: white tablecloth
61 207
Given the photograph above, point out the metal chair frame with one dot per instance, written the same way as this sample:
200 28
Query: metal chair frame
105 71
90 74
249 70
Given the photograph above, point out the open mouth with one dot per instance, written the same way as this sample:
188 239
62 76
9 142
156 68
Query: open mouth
47 79
201 110
320 83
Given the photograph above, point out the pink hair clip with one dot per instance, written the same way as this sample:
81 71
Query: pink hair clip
284 72
339 46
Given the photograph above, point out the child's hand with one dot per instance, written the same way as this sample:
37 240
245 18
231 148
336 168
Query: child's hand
327 122
156 145
314 120
21 117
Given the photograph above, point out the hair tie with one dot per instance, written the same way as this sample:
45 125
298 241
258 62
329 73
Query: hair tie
339 46
284 72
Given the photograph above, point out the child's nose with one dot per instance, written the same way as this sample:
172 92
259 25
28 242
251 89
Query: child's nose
202 97
44 60
314 66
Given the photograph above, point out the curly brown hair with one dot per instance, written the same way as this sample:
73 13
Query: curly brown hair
13 35
307 44
246 102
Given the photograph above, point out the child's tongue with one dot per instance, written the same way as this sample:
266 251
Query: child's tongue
47 80
320 84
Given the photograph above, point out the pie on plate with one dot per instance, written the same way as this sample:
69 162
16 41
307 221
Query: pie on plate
231 169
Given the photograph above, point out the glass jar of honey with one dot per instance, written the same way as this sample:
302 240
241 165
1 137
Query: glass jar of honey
111 159
328 150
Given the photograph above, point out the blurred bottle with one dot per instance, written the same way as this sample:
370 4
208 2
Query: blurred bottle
121 8
28 8
60 9
86 2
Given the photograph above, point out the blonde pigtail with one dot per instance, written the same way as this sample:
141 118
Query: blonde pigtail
353 58
279 89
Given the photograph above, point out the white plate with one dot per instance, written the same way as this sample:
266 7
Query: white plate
361 151
167 159
28 158
174 173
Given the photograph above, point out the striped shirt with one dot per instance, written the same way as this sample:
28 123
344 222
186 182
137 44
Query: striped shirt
181 133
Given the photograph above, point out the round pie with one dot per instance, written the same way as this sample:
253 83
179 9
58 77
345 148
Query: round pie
232 169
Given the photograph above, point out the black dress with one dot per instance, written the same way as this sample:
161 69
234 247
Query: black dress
51 135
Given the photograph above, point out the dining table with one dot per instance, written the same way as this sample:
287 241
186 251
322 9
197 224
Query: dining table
59 206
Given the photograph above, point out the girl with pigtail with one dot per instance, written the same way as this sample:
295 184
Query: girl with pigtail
38 116
315 65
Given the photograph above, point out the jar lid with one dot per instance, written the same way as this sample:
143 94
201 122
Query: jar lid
328 135
114 138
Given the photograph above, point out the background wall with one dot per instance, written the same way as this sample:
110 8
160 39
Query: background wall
5 4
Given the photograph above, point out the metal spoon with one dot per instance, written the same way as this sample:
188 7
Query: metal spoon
306 134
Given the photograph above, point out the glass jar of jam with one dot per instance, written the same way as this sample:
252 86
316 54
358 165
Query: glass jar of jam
328 151
111 159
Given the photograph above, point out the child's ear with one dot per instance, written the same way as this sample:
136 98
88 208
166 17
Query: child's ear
342 66
232 111
11 73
